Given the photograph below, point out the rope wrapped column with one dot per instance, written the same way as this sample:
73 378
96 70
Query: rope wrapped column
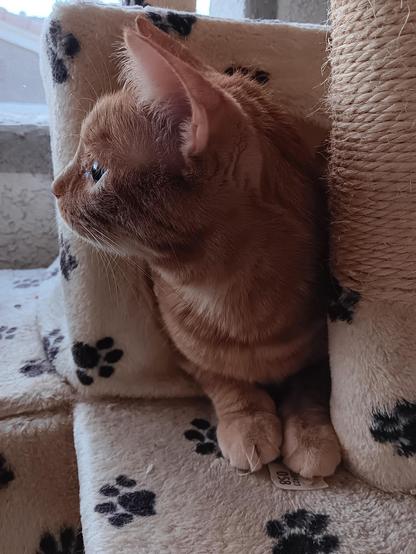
372 331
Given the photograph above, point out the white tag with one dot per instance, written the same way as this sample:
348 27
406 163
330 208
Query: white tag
285 479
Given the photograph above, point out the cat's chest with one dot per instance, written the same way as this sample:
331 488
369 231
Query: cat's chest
207 310
233 332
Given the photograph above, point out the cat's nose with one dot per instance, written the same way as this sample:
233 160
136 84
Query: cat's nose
58 187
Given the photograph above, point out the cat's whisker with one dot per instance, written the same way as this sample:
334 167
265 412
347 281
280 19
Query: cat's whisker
110 81
107 262
80 100
104 239
111 85
97 96
128 282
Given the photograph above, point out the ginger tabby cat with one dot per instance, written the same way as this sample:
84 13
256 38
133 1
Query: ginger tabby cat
203 176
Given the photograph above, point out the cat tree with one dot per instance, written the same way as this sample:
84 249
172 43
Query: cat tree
372 102
146 475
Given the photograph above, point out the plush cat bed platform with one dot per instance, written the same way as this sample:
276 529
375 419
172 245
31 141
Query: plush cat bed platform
129 455
146 476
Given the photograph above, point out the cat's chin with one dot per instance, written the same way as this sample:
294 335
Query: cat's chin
122 246
68 225
83 236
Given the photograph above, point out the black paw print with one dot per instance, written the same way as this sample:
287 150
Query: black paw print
25 283
7 332
140 3
302 532
67 261
51 273
125 505
397 427
102 355
61 47
6 474
36 367
51 344
262 77
178 22
205 435
69 542
342 302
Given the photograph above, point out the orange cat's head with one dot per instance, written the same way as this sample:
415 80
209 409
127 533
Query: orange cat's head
179 152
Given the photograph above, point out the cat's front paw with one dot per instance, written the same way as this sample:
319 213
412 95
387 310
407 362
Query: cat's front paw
250 439
310 450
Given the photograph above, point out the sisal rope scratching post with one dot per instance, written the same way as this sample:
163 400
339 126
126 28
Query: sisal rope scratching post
373 237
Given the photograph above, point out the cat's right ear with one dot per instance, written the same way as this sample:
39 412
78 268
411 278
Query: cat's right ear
174 46
151 75
162 75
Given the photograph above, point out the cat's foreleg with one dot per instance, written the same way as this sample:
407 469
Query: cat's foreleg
310 445
249 430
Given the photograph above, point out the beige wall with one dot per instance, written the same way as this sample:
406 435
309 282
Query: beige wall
307 11
27 221
19 75
303 11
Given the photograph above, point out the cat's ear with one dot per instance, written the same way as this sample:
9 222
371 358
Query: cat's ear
163 72
165 41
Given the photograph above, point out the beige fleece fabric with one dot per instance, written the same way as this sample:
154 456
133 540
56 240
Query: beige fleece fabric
151 477
38 485
373 238
189 500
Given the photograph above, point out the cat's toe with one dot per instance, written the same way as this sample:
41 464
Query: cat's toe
310 450
250 440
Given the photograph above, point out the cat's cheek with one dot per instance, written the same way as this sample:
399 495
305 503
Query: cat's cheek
69 219
94 190
61 209
65 219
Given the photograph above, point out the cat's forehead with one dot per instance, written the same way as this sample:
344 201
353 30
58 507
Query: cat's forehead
116 129
110 115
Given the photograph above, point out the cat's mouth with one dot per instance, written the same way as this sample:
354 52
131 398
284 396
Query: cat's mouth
81 230
77 230
106 241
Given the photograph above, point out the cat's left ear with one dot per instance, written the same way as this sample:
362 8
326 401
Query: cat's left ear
164 74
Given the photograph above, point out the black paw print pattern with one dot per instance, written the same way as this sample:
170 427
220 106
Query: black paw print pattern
397 428
125 504
61 48
36 367
262 77
7 332
25 283
50 273
6 474
67 261
102 356
51 345
69 541
205 436
342 302
177 22
140 3
301 532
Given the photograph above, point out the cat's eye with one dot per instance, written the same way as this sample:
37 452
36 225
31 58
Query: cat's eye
97 172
